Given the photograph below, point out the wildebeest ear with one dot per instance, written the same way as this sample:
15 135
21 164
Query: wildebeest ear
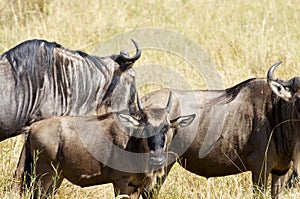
280 90
127 120
183 121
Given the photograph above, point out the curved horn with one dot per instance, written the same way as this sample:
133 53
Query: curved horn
169 104
126 58
271 70
139 103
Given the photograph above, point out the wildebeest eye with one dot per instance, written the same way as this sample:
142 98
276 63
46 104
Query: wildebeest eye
278 88
137 117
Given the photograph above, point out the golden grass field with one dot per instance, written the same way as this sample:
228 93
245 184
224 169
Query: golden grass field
242 38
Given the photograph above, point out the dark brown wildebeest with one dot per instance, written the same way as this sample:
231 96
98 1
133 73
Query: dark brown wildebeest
96 150
253 126
40 79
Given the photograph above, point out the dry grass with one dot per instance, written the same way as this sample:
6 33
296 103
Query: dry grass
243 38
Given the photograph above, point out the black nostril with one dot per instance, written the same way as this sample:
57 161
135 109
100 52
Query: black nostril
157 157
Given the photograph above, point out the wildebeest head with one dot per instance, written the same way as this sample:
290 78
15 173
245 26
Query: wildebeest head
287 90
124 60
123 82
155 126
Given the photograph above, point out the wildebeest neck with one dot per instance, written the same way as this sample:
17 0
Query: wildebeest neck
119 94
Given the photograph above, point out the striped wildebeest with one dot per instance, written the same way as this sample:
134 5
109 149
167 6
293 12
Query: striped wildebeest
93 150
39 79
253 126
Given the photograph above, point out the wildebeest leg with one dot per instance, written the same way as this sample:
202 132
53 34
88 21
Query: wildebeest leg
259 180
19 172
49 179
54 186
296 166
25 157
25 168
277 185
260 172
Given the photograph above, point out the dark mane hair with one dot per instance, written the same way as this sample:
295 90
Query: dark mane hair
24 57
230 94
32 56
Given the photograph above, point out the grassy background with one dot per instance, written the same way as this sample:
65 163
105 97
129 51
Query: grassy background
243 38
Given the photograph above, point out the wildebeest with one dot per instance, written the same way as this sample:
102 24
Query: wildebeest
86 150
39 79
254 127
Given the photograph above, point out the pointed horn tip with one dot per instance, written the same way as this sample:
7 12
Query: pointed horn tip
277 64
169 102
134 42
170 95
139 103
